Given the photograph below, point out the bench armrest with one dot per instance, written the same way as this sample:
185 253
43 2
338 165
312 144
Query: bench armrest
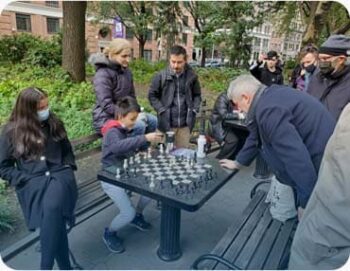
214 257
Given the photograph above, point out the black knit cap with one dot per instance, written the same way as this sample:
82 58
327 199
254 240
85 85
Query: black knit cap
336 45
272 54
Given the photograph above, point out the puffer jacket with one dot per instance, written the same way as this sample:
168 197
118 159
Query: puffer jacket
223 110
111 82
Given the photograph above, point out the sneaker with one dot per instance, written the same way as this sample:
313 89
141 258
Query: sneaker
140 223
113 242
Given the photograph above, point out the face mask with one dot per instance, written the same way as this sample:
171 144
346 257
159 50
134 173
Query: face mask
43 114
310 68
327 67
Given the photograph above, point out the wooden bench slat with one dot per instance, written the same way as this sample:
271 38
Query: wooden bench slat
262 252
239 239
252 244
280 246
224 243
84 140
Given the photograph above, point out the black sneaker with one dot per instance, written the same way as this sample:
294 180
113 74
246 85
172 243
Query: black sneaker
140 223
113 242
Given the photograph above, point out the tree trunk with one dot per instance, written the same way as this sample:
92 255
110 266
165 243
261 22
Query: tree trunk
316 22
204 56
73 51
142 48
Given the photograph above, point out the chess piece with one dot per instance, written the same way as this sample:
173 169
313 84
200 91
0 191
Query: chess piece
131 160
135 173
149 153
152 184
201 146
161 149
117 176
125 165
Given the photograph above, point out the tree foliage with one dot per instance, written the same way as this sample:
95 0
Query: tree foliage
320 18
136 16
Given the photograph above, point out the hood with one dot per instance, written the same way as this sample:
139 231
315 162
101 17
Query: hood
110 124
100 60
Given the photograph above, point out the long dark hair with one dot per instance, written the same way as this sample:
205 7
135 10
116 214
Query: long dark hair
24 126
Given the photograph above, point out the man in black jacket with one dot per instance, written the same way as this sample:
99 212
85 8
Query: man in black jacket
231 141
270 73
331 82
175 94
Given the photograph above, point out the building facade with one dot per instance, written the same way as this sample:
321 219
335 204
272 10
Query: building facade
44 19
266 37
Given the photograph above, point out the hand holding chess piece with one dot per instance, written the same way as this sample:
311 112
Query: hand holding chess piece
155 137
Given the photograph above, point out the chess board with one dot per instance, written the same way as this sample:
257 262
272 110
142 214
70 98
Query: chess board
175 169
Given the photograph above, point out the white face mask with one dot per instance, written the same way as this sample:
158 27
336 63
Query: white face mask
44 114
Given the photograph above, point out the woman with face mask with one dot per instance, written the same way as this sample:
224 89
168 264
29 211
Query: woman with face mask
36 158
303 72
113 81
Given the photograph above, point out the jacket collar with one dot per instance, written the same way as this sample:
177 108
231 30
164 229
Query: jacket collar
252 109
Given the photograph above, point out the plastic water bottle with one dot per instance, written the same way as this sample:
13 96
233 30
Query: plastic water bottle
201 146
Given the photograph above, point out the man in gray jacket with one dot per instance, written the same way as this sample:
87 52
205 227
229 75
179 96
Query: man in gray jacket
331 82
322 239
175 94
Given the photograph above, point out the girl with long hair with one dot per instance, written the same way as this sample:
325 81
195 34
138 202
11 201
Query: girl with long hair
36 158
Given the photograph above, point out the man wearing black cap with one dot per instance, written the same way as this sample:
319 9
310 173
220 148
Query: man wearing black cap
270 73
331 83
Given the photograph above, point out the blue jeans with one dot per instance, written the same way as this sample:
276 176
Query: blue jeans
146 123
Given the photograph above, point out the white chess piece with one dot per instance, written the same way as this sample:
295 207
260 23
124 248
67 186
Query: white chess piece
152 184
161 149
117 176
125 165
131 160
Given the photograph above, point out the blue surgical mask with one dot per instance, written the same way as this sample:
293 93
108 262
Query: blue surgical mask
44 114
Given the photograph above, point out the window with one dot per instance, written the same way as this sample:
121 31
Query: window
129 33
148 55
291 46
265 44
259 29
267 29
53 4
297 47
257 42
23 22
285 46
149 35
184 38
185 20
53 25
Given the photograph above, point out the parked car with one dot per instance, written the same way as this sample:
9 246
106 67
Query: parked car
193 63
214 64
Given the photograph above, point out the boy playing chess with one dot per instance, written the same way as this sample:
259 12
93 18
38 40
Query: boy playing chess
118 144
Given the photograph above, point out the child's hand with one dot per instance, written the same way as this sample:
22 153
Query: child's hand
154 137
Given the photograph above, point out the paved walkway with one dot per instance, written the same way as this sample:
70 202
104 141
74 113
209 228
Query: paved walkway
200 231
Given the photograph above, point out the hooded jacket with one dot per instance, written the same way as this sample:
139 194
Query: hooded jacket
118 144
111 82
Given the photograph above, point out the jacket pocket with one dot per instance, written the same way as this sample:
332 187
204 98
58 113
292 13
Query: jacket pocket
164 121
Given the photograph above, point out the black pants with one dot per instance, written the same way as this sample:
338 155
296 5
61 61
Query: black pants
53 232
233 143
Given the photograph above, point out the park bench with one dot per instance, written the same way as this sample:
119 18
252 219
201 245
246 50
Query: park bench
91 198
254 241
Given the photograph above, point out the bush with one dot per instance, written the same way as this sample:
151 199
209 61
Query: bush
143 71
31 50
217 80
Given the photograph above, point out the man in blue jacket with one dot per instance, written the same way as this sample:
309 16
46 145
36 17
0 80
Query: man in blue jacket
290 129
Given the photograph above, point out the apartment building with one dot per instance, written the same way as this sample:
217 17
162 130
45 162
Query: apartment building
44 18
266 37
